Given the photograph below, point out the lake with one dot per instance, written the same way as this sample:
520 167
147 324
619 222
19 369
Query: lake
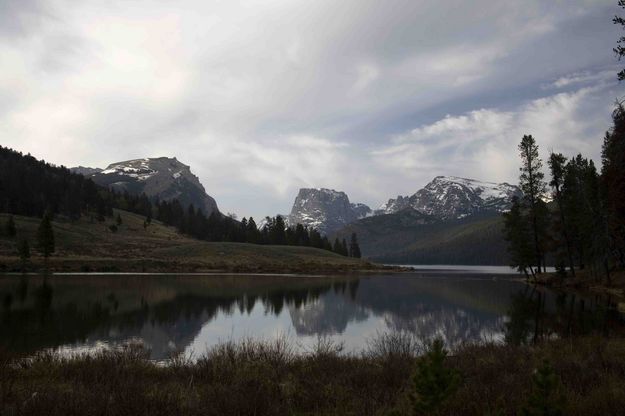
190 313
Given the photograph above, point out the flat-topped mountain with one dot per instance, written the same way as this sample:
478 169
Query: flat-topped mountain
451 197
163 178
326 210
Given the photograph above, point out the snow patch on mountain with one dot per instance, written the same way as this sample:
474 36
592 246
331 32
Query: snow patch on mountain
452 197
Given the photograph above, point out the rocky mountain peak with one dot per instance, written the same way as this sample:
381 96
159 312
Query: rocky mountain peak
164 178
325 209
452 197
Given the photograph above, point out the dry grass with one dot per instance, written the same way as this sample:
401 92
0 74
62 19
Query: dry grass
268 378
87 245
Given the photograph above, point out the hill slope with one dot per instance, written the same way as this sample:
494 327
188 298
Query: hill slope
87 245
410 237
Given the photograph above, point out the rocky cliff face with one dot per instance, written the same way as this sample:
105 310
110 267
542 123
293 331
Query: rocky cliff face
450 197
326 210
164 178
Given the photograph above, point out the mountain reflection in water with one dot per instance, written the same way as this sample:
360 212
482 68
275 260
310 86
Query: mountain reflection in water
191 313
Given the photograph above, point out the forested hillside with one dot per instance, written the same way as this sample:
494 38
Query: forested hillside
410 237
31 187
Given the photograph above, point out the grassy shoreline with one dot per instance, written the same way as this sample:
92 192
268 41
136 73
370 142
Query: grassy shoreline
78 264
267 378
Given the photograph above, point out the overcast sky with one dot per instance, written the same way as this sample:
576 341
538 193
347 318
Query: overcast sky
262 97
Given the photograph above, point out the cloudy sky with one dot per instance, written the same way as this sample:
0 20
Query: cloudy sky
262 97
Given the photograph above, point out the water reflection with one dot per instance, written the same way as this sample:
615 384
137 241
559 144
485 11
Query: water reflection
537 314
189 313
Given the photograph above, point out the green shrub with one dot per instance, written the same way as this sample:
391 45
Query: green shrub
546 398
433 381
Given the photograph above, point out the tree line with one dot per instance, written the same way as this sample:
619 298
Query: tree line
274 231
32 187
577 218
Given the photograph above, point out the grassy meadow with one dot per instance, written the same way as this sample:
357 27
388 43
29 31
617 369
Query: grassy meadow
88 245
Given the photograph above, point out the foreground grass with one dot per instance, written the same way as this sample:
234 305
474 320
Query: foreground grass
268 378
87 245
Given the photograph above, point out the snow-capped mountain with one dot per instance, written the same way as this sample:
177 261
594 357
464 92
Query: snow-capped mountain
163 178
326 210
451 197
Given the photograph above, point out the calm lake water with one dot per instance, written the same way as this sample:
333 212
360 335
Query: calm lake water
190 313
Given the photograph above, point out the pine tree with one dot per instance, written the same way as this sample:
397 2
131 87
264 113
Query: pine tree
613 180
517 234
9 228
533 186
301 235
118 219
45 236
354 248
337 248
344 248
557 167
278 233
252 233
545 399
433 382
585 217
315 238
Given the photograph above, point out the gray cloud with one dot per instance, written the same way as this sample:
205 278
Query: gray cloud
261 98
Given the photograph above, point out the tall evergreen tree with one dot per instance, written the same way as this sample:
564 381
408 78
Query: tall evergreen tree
517 233
581 203
354 248
613 182
315 238
278 233
252 233
45 236
533 186
337 248
557 166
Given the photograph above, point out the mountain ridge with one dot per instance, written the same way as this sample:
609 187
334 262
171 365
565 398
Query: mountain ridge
453 197
164 178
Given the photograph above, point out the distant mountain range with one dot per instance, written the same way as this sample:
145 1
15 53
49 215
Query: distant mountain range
163 178
450 197
444 198
451 220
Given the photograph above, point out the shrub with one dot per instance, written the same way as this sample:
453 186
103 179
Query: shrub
546 398
433 381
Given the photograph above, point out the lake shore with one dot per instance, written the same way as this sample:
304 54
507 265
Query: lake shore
583 282
494 379
85 264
